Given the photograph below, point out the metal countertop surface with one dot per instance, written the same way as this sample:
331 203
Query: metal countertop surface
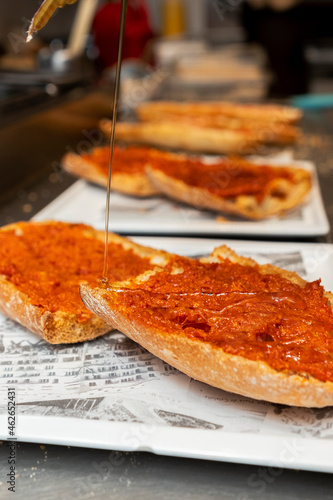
62 473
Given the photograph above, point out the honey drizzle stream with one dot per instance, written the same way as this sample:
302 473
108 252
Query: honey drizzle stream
113 126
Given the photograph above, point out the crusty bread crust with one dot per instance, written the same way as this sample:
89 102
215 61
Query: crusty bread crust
247 206
208 363
55 328
268 113
268 132
62 327
135 184
189 138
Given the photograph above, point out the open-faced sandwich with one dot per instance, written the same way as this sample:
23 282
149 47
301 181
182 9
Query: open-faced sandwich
254 113
252 329
269 124
128 168
231 185
209 127
42 265
184 136
255 330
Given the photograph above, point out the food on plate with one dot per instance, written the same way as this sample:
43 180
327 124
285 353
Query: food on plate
231 185
42 265
44 13
256 330
252 112
270 124
128 168
210 127
189 137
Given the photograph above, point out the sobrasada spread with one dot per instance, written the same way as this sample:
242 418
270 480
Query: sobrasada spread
228 179
234 307
48 264
128 160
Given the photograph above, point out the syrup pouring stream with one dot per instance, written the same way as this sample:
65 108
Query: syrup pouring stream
113 126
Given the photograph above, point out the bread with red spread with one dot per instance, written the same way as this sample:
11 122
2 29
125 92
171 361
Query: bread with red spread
254 112
42 265
188 137
128 169
271 124
255 330
233 186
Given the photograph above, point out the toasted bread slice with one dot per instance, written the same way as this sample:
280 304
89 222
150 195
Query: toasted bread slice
273 132
128 169
233 185
255 330
42 265
269 113
175 135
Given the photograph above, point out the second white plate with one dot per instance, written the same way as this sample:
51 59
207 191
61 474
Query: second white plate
84 202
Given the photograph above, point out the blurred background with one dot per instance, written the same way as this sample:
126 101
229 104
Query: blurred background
289 42
54 90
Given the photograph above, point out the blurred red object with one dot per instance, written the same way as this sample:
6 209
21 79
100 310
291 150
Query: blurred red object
106 31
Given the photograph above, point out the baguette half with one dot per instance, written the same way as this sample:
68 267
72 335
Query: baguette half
152 313
42 265
268 113
267 131
94 168
267 190
188 137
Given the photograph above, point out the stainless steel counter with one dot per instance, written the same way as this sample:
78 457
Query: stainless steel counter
36 130
61 473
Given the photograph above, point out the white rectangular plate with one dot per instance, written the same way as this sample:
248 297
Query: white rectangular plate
110 393
157 215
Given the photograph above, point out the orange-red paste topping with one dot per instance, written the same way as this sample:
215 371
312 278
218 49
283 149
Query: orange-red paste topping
128 160
228 178
48 262
238 309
